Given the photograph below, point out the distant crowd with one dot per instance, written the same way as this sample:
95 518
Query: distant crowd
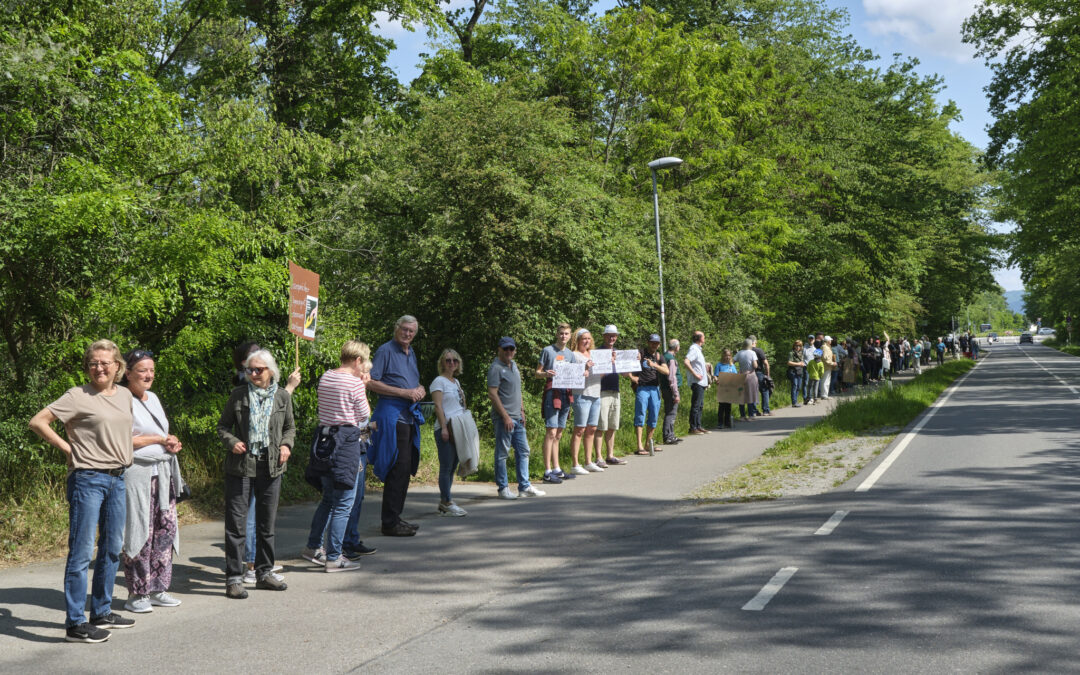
124 479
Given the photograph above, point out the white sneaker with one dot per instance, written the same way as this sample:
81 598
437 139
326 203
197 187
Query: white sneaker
163 599
504 493
579 470
140 604
531 491
342 564
452 509
592 468
276 575
249 577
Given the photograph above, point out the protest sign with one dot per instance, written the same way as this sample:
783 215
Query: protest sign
303 301
627 361
603 361
730 387
568 375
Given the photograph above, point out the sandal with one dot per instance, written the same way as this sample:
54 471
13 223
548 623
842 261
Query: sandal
642 452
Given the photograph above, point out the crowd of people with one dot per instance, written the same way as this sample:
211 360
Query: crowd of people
124 479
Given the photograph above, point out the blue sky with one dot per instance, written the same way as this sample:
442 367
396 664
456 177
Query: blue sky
928 30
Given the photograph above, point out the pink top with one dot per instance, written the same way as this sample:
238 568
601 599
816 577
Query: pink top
342 400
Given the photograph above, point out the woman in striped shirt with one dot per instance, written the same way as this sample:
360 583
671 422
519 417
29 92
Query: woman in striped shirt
336 455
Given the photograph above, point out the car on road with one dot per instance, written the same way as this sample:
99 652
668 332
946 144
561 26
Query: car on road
1026 337
1047 331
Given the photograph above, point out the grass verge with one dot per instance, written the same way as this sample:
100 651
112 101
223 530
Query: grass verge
886 408
1073 350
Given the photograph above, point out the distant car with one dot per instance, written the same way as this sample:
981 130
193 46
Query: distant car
1047 331
1026 337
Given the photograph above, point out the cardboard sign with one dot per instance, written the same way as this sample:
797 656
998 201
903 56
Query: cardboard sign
303 301
730 387
568 375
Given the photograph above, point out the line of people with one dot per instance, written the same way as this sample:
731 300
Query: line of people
124 478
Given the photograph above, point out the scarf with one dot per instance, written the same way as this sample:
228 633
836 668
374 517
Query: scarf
260 405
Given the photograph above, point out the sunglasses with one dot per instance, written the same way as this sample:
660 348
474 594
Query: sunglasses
255 371
453 360
509 349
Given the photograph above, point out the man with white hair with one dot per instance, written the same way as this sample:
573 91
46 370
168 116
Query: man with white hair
830 365
610 405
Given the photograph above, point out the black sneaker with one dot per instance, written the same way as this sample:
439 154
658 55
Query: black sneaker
112 621
411 526
399 530
550 477
360 552
565 476
84 632
271 582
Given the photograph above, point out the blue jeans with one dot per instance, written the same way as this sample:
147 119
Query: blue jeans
646 406
796 385
763 392
448 463
249 532
352 541
97 504
503 440
331 516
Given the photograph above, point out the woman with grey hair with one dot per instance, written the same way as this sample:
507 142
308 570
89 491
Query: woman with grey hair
258 431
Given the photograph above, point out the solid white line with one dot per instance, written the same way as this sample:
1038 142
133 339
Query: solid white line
1054 375
910 436
770 589
831 523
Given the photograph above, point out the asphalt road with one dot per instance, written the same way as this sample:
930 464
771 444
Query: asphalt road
960 557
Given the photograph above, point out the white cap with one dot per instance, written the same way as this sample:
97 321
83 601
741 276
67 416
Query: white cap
610 329
828 339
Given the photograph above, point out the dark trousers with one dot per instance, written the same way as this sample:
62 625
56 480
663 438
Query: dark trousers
238 491
670 410
723 415
396 485
697 402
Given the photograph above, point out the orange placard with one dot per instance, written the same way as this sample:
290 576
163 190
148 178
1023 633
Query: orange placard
303 301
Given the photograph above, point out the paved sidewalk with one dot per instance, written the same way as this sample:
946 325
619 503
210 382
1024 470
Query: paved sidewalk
412 586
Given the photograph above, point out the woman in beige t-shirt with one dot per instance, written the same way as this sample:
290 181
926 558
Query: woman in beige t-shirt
97 422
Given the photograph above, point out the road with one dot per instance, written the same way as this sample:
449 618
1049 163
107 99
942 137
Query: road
959 557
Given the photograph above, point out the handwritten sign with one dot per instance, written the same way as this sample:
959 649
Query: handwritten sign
730 387
568 375
603 361
303 301
627 361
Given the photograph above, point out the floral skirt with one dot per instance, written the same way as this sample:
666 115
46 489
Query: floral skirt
151 570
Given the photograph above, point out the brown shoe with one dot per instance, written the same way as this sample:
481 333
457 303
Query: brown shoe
236 592
271 583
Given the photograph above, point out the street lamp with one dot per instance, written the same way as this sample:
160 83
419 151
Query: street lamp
654 166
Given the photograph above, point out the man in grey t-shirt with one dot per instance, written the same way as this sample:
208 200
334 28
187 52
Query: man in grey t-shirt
508 418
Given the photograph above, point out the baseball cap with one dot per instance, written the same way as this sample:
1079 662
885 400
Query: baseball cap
828 339
610 329
507 342
654 338
811 336
818 352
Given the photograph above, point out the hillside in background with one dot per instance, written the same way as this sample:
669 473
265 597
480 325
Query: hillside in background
1015 301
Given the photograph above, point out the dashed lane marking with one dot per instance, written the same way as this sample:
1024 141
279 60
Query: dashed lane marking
770 589
831 523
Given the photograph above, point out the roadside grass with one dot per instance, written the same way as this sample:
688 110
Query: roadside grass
884 410
1073 350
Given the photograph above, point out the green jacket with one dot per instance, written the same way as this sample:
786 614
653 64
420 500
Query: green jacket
233 427
815 369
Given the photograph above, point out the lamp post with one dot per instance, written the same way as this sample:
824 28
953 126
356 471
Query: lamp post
654 166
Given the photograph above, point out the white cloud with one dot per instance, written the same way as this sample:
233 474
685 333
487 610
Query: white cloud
935 25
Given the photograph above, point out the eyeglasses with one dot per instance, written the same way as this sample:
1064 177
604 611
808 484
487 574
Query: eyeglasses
100 364
452 360
509 349
255 371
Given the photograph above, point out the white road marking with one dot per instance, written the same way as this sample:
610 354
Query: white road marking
770 589
1054 375
831 523
910 436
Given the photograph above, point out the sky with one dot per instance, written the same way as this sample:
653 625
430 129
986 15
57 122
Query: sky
929 30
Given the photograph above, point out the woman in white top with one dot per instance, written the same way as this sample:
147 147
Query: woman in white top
152 484
586 406
449 399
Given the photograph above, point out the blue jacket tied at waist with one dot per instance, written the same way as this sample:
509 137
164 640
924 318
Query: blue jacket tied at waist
383 452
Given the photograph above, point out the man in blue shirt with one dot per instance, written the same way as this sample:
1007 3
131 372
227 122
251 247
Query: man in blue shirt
395 443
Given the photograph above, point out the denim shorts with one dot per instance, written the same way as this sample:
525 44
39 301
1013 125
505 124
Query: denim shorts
586 411
554 418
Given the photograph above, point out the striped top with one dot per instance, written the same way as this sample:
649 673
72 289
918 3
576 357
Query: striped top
342 400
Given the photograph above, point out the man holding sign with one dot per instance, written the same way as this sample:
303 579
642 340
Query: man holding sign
556 405
610 403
